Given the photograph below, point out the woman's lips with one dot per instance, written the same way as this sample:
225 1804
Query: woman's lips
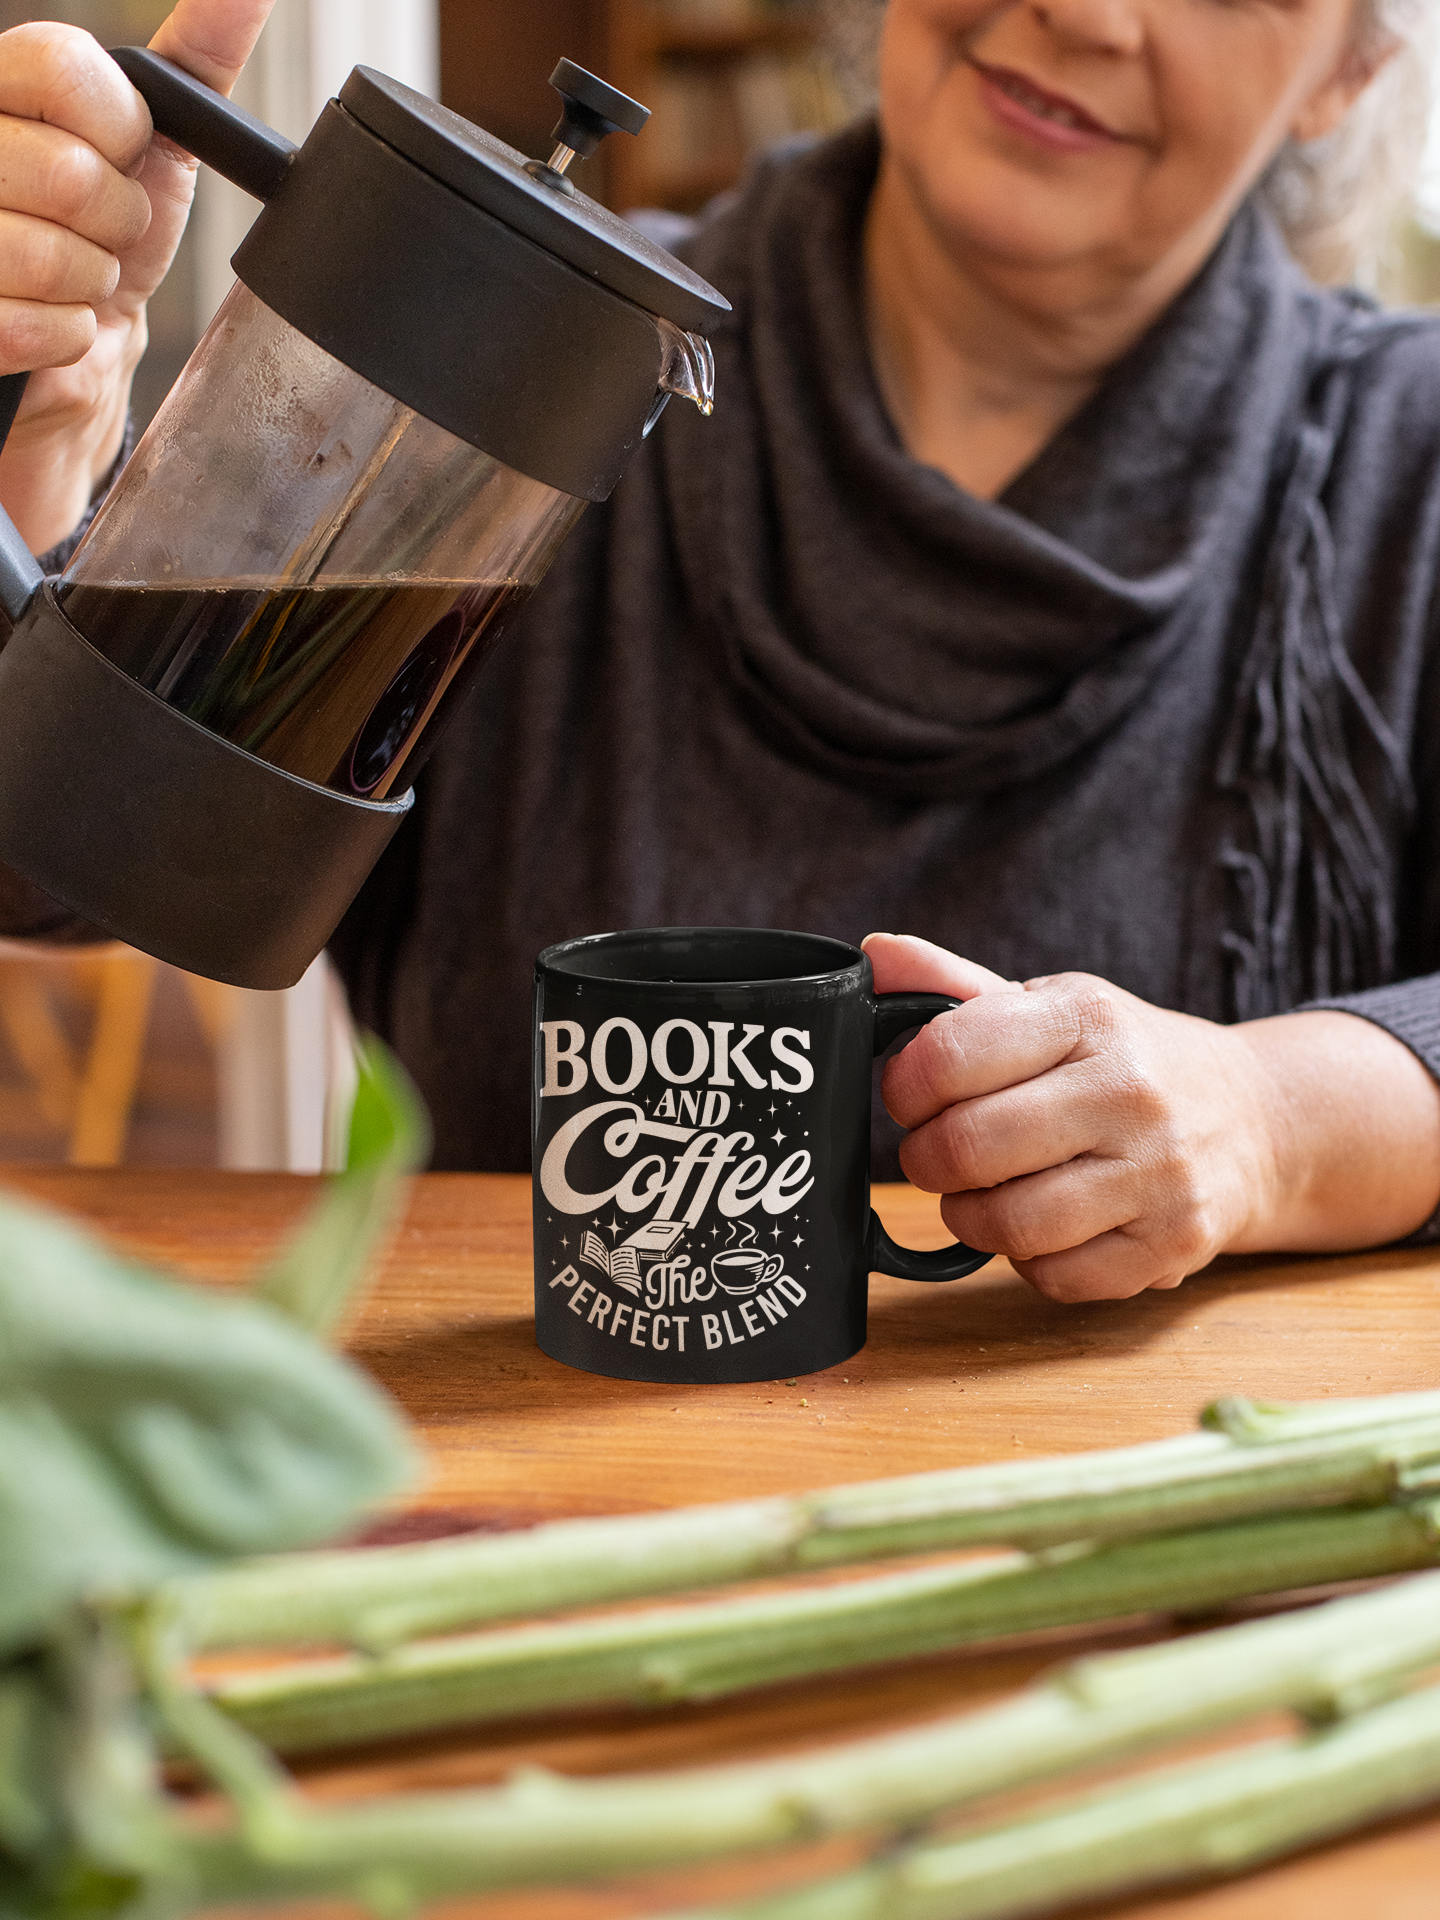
1047 118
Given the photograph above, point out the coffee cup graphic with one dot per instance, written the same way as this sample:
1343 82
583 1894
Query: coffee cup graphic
744 1269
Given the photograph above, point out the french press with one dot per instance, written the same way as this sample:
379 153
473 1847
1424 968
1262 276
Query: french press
435 355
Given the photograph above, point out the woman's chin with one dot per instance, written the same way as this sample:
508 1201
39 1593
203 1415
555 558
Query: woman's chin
980 212
1038 239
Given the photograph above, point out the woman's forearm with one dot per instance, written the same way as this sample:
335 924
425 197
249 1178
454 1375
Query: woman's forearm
1353 1118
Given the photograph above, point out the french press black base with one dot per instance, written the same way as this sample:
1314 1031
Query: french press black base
435 355
159 831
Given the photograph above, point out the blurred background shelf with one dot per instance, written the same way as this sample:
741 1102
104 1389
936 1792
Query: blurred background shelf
786 31
724 79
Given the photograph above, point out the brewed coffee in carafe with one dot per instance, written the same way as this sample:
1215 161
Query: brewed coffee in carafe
436 353
302 564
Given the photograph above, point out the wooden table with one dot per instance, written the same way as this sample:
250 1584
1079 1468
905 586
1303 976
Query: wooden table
978 1370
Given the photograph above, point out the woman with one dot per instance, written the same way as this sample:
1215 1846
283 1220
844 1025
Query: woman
1055 581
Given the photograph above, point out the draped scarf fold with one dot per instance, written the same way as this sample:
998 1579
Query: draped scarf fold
1316 882
905 637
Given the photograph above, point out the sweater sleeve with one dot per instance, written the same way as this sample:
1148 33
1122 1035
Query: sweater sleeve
1410 1010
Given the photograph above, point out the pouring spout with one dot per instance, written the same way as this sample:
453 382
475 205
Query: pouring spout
687 365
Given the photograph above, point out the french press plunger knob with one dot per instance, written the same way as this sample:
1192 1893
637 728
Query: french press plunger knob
592 110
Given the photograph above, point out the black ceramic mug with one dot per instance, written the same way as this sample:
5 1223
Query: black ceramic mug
702 1153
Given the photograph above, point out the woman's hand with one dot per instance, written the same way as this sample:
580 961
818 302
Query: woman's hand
1106 1146
91 211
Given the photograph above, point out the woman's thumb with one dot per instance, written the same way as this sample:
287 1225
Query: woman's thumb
212 39
904 963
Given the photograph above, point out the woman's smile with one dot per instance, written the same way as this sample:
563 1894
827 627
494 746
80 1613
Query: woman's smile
1051 119
1094 148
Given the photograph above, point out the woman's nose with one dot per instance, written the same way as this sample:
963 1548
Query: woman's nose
1108 26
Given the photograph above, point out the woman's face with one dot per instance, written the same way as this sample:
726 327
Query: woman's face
1102 134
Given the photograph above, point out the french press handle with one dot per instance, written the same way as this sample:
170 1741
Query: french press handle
240 148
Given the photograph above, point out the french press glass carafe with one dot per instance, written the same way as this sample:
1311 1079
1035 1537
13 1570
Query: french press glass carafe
435 354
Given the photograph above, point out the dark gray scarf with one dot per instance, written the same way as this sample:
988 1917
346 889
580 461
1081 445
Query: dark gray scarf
966 647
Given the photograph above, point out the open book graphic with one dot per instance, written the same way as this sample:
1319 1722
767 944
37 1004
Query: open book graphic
625 1265
622 1266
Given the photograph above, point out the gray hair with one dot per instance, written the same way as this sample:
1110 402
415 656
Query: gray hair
1336 199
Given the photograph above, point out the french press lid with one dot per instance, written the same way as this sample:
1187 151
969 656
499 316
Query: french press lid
536 199
475 286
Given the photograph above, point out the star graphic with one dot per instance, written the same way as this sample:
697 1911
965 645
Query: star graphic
563 1241
776 1232
799 1241
777 1136
773 1107
613 1227
714 1233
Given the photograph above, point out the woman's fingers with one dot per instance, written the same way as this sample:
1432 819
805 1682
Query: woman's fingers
66 215
995 1042
76 150
1071 1207
62 77
1113 1266
1043 1213
35 333
71 127
903 963
42 261
1040 1123
57 176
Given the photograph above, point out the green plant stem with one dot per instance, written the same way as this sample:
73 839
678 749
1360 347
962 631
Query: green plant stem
1217 1817
1328 1661
1260 1460
657 1656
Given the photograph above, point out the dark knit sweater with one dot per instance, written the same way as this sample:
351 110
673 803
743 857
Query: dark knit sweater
1164 712
787 676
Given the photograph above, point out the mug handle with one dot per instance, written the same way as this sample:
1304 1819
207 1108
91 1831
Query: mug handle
894 1013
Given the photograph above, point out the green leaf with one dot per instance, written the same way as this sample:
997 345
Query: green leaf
84 1821
147 1428
389 1137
